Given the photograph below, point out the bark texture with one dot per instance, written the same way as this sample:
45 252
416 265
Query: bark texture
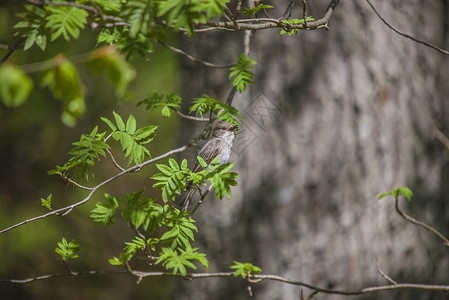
335 118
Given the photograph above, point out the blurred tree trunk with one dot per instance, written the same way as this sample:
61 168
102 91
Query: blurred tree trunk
345 114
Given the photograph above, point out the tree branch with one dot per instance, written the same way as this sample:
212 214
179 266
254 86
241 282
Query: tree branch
197 60
66 210
419 223
405 34
253 279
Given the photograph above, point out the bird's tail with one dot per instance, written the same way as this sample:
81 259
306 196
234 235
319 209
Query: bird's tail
185 202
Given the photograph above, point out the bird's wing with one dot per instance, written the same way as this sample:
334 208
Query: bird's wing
208 153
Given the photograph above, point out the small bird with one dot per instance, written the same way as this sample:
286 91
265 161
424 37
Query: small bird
220 144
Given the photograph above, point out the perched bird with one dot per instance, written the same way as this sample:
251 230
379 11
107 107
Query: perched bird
220 144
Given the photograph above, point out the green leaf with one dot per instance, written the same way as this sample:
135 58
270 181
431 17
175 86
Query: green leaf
382 195
105 212
243 269
68 250
109 123
255 9
403 191
241 73
32 27
397 192
141 211
171 180
15 87
178 263
119 121
156 100
66 21
222 179
118 70
131 124
46 202
294 21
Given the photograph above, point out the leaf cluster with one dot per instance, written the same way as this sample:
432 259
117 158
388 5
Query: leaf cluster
241 73
131 139
223 111
255 9
89 148
68 250
166 102
188 14
397 192
244 269
172 179
145 214
294 21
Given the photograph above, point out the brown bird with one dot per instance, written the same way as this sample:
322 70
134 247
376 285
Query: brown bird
220 144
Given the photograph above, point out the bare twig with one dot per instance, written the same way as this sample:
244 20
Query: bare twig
288 12
28 280
16 46
66 210
304 12
194 59
260 277
388 278
441 137
405 34
419 223
114 161
188 117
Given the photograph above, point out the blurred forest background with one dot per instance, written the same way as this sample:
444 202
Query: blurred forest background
334 118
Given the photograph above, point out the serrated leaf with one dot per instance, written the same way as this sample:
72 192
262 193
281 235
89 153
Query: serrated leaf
119 121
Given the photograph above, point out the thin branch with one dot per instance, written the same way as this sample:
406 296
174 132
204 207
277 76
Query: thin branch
188 117
304 12
28 280
405 34
288 12
66 210
388 278
16 46
194 59
114 161
254 278
441 137
419 223
69 180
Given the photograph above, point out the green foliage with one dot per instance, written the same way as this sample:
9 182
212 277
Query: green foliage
155 100
116 67
244 269
130 250
47 202
68 250
397 192
32 27
255 9
66 21
241 73
107 5
131 139
172 179
88 149
137 210
187 14
225 112
171 260
139 14
221 178
105 212
141 211
294 21
64 83
15 85
182 228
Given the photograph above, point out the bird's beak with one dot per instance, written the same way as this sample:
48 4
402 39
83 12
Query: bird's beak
235 128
